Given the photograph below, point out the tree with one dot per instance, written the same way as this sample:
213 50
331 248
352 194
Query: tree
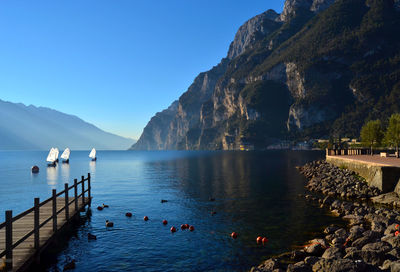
371 133
392 135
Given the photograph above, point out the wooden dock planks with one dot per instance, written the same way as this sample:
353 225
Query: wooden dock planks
25 252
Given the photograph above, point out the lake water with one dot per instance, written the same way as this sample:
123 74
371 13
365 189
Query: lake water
256 194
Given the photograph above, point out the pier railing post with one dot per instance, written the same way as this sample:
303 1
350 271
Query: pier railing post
9 243
36 222
66 202
76 194
83 191
89 188
54 210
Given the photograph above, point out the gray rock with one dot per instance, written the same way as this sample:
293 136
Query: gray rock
395 266
360 242
394 241
330 229
299 267
311 260
341 233
391 229
298 255
314 249
369 256
339 265
269 265
332 253
378 246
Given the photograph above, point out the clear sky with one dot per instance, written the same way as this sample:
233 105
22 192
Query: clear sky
114 63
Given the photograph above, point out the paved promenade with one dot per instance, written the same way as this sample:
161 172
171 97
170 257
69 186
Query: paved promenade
375 159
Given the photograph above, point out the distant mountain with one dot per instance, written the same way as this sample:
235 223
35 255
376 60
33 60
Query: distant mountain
38 128
320 68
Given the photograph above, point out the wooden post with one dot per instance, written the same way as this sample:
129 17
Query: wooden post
66 202
83 191
89 188
76 194
36 222
54 210
9 243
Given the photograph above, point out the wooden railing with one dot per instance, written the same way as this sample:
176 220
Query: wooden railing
9 219
347 151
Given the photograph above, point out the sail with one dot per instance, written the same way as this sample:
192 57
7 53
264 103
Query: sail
56 150
52 155
92 154
65 154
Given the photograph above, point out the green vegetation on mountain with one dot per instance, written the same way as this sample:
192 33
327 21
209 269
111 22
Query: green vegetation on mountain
305 75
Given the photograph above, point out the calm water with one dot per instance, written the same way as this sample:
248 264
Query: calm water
256 195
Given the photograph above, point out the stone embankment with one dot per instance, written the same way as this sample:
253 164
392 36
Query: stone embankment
370 242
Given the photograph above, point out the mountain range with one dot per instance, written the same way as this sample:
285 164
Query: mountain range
320 68
39 128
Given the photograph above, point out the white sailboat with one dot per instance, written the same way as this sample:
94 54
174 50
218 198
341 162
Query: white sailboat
65 155
51 158
92 154
57 152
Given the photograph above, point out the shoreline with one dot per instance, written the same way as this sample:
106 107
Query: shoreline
367 243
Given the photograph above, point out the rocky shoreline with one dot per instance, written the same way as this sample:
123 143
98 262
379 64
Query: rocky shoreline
368 243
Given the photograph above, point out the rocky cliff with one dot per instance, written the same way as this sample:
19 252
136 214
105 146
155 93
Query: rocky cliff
321 67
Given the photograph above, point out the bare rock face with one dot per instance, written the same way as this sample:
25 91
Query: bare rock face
246 34
320 5
292 6
301 116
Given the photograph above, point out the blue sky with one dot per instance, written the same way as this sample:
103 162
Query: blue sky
114 63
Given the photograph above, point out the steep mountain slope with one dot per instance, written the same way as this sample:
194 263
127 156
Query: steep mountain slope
29 127
321 67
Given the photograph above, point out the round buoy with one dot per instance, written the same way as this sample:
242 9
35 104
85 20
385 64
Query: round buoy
264 240
397 233
259 240
397 226
173 229
165 222
109 224
183 227
35 169
128 214
234 235
213 213
191 228
145 218
100 208
187 226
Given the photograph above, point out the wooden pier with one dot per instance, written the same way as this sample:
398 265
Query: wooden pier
25 236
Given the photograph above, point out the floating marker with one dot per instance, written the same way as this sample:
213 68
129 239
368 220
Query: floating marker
35 169
259 240
183 227
234 235
264 240
128 214
145 218
165 222
100 208
173 229
191 228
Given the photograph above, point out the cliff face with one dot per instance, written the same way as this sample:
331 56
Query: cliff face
320 67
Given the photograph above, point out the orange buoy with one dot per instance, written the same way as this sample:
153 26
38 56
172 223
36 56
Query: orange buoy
397 226
234 235
145 218
128 214
165 222
259 239
187 226
183 227
173 229
397 233
264 240
191 228
100 208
